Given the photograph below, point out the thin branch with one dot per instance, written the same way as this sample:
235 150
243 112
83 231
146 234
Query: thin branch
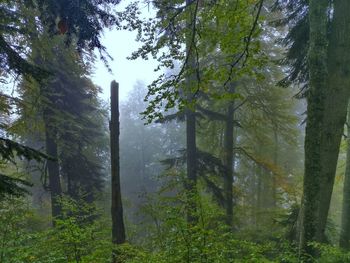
245 53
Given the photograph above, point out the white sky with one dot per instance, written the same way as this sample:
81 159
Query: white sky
120 45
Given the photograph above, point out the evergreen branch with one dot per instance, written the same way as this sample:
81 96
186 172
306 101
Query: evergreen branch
12 186
8 148
213 115
216 191
10 98
256 160
19 64
179 116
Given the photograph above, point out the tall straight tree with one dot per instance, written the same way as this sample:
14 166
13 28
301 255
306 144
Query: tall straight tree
335 107
336 94
229 160
71 116
191 147
83 21
317 59
118 229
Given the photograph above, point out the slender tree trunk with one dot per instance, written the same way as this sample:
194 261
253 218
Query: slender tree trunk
191 149
344 241
191 165
275 162
259 195
52 166
118 229
250 199
318 20
337 96
228 162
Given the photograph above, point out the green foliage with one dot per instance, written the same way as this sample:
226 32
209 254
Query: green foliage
294 13
15 31
221 38
219 44
77 238
67 108
80 235
10 153
331 254
12 186
84 19
14 215
171 239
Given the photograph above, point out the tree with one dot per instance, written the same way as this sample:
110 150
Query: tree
83 20
118 229
72 121
191 23
332 99
229 159
189 87
335 107
13 31
318 79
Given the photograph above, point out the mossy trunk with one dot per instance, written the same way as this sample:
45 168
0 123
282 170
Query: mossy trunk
191 150
336 101
318 19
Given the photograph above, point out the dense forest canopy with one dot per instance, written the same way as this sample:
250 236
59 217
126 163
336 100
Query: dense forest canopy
239 151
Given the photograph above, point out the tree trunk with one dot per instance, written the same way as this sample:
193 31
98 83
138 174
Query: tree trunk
337 96
191 154
344 241
258 204
52 166
228 162
318 20
229 141
191 165
118 229
275 162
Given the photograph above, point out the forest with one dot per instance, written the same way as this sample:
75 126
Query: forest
237 151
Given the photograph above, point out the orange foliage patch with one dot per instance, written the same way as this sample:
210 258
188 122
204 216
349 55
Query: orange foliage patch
62 26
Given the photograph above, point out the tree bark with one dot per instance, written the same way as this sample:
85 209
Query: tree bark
259 186
318 19
191 149
228 162
344 241
52 166
275 161
118 229
337 96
